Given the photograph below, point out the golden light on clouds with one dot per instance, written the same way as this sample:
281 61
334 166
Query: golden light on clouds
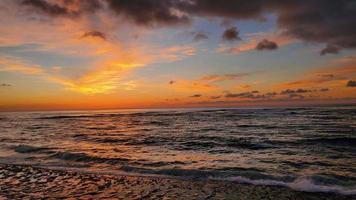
145 56
14 65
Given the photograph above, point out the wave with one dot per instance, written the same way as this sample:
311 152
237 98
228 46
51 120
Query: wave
158 164
301 184
112 115
202 173
82 157
257 126
66 117
29 149
106 128
316 183
251 176
148 141
182 173
68 156
236 143
339 141
172 113
37 127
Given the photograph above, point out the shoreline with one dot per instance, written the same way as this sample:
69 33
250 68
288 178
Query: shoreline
28 182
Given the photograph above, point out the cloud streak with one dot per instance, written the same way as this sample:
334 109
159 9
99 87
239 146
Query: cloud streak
15 65
5 85
224 77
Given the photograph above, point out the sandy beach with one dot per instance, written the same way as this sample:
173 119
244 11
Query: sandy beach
27 182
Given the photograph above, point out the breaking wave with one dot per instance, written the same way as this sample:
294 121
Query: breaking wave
301 184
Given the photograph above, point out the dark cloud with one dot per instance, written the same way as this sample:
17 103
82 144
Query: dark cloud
329 49
271 94
298 91
231 34
171 82
242 95
266 45
327 75
224 77
322 21
95 34
303 91
247 95
65 8
351 84
198 36
215 97
287 91
51 9
5 85
196 95
295 93
292 94
238 9
87 5
319 21
328 22
251 95
150 12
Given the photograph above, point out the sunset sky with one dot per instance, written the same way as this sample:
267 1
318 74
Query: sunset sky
96 54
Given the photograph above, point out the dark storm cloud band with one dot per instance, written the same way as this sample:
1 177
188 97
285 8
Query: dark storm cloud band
329 22
63 8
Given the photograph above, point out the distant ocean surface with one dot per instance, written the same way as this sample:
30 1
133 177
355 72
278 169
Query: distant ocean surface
312 149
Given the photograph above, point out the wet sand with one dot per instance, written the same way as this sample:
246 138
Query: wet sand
26 182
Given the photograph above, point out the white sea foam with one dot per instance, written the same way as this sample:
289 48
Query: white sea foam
300 184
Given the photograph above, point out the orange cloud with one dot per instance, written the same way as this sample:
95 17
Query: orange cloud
225 77
192 85
15 65
101 79
208 83
169 54
334 77
113 53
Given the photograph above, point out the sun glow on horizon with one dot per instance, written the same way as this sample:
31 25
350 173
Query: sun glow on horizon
115 58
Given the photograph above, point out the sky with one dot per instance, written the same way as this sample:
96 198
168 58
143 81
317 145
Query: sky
108 54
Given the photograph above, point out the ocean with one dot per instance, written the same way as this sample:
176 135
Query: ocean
309 149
